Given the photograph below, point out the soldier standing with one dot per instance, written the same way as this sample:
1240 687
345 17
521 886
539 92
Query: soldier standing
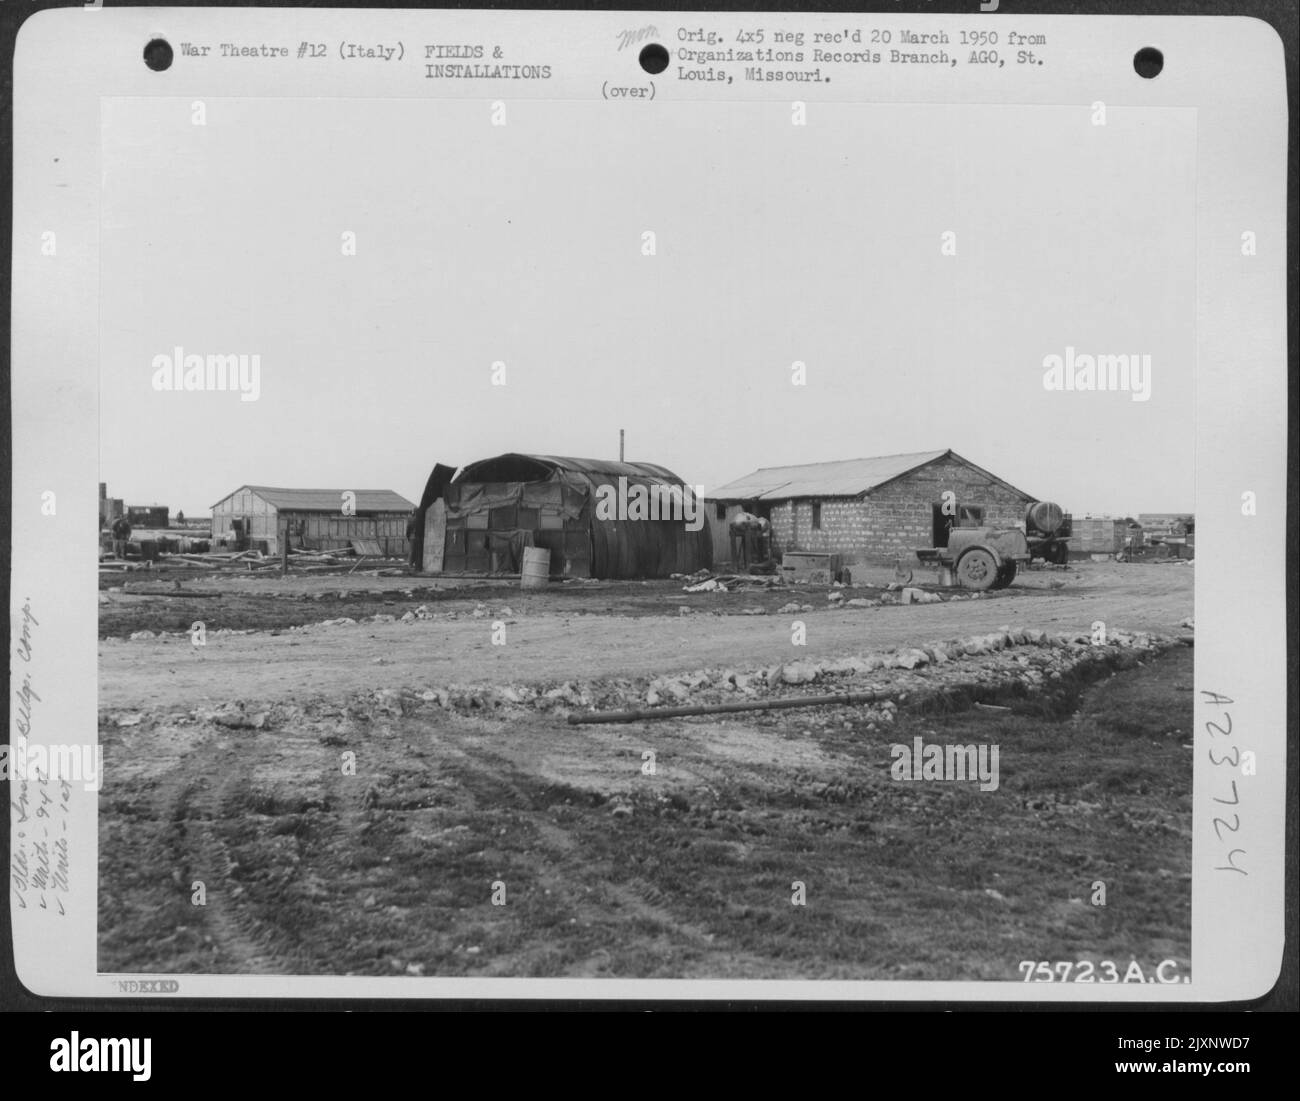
121 533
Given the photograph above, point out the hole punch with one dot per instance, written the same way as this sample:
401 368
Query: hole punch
158 55
1148 62
654 58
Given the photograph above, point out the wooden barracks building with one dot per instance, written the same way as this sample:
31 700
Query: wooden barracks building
255 516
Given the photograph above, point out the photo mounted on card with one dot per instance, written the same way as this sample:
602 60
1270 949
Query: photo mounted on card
648 505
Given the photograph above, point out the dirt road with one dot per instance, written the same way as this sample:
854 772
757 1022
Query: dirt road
684 871
357 834
545 641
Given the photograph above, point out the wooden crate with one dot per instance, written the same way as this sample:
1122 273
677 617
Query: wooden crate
810 567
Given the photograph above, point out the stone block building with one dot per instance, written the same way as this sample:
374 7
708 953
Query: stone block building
868 510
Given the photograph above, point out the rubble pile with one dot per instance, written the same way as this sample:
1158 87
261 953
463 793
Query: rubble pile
1006 658
706 581
1021 660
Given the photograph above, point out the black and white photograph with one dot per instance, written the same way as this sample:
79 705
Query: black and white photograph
732 516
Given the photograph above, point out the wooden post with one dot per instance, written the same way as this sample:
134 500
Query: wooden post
620 445
284 551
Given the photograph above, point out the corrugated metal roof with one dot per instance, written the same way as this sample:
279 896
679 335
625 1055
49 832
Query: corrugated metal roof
610 467
327 500
600 468
846 478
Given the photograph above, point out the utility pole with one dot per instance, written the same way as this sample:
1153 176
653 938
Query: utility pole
620 445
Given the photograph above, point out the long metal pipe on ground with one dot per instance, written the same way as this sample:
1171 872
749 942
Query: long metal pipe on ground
725 708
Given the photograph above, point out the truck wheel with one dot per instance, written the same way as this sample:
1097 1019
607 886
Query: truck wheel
977 570
1006 575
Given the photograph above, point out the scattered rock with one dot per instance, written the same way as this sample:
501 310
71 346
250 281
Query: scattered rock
675 688
567 693
910 659
708 586
238 719
799 672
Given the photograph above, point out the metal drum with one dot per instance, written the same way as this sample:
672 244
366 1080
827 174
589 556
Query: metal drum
536 568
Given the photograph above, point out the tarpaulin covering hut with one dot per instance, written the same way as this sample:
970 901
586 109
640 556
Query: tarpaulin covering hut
480 520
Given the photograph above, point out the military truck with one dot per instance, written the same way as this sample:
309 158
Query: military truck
982 557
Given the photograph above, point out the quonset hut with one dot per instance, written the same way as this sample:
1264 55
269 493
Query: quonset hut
598 518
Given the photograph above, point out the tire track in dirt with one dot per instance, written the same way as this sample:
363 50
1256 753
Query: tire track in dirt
194 803
633 897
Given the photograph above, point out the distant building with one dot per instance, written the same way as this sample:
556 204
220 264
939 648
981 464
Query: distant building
1170 532
866 510
148 516
318 519
1167 524
1099 535
110 508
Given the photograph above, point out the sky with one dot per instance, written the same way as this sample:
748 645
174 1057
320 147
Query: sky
524 245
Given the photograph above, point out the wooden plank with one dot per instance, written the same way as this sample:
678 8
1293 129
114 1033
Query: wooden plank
435 536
